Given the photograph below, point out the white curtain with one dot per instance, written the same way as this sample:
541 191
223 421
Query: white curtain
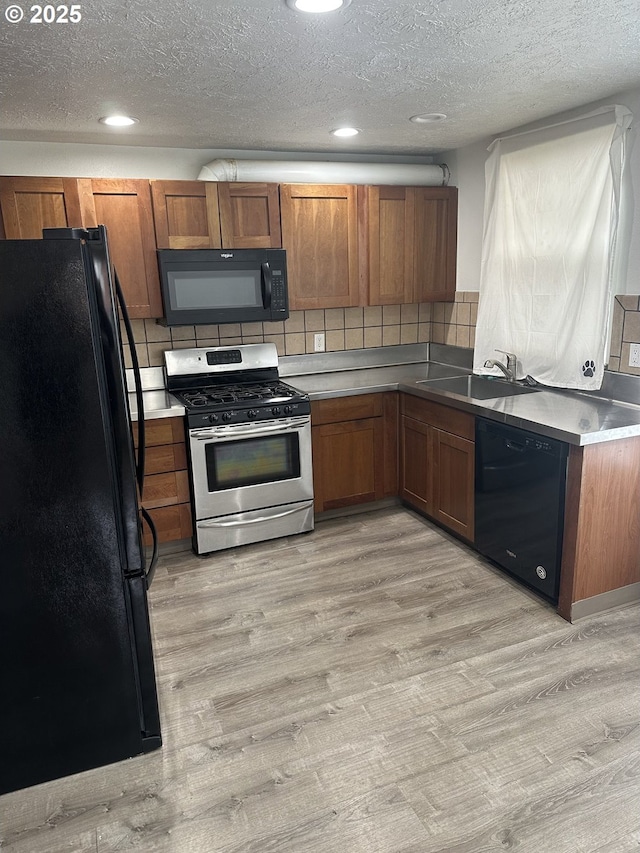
550 222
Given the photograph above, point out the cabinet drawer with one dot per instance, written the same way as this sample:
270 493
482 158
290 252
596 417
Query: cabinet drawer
172 523
354 408
441 417
166 489
161 431
161 458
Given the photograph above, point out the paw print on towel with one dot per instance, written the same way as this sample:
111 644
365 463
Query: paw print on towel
588 368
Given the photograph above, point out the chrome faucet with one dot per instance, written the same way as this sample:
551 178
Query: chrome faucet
509 369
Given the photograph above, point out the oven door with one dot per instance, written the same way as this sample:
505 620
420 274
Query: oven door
250 466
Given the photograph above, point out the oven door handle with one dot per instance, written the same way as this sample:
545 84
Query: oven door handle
248 430
243 522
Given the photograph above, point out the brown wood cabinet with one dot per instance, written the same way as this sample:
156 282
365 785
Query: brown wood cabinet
453 481
435 244
29 204
390 244
437 459
210 215
416 463
354 443
320 234
346 245
601 544
250 215
411 244
124 206
186 214
166 484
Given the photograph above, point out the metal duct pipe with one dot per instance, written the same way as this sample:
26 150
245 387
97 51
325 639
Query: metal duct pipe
320 172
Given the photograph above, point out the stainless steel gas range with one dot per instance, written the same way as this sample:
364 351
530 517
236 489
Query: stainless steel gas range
249 442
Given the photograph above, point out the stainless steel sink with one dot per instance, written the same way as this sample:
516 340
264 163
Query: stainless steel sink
477 387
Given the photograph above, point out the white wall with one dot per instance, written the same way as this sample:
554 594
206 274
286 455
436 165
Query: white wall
467 173
77 160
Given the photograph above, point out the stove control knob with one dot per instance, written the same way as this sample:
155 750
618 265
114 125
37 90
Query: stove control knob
213 419
288 410
252 413
226 416
275 411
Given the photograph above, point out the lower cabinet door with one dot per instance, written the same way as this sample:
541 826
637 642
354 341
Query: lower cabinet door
348 463
415 464
438 471
453 482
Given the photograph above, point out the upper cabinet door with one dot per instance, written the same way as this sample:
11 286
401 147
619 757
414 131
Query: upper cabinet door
30 204
390 214
411 244
320 234
249 216
435 235
124 206
186 214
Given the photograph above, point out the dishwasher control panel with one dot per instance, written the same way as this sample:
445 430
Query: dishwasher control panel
539 444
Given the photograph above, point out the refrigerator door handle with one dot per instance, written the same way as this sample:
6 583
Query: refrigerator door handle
140 462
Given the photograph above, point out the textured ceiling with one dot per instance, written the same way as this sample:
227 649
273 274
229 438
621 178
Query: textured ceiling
253 74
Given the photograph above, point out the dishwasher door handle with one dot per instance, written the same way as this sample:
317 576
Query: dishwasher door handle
511 445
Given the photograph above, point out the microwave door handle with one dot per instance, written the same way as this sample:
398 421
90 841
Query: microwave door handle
266 284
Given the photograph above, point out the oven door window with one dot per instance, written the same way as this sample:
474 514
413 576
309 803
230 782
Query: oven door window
252 461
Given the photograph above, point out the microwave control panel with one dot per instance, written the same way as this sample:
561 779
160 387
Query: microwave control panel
278 297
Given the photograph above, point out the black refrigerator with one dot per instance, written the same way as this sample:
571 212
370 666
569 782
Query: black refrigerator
76 666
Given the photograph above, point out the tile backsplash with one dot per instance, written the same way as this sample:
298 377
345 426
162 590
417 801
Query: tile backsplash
625 331
358 328
343 328
454 323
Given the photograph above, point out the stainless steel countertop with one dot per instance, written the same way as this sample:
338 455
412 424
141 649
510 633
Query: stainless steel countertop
346 383
157 404
566 415
570 416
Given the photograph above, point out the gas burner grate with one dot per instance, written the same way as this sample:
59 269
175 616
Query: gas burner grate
221 396
195 399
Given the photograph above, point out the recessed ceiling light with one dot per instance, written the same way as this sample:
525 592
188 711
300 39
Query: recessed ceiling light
428 118
118 121
345 131
317 6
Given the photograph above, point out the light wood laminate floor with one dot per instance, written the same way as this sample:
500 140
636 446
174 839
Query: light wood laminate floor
371 687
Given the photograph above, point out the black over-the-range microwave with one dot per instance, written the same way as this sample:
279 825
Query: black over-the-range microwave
213 286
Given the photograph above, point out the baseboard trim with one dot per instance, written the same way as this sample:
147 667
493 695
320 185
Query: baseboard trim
356 509
605 601
173 547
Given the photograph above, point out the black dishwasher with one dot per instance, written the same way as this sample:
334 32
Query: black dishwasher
519 503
